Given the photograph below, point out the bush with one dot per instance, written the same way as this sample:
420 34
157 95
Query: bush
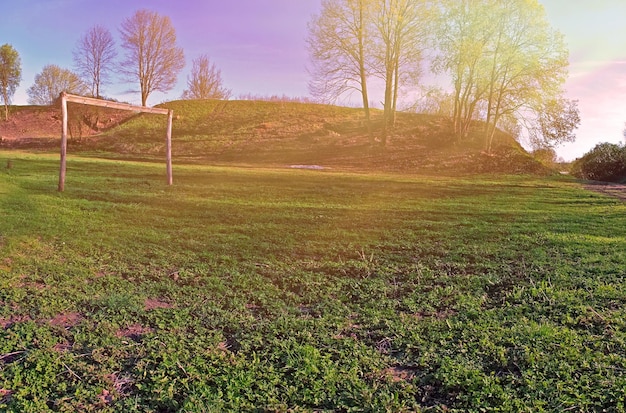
605 162
545 155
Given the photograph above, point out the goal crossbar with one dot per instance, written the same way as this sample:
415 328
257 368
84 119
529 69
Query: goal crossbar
66 97
113 105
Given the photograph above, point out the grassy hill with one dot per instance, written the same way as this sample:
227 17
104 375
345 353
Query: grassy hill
287 133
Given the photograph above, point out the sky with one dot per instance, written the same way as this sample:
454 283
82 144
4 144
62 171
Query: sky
259 46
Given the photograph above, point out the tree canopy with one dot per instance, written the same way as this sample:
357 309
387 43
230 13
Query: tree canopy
152 56
94 57
10 75
351 41
505 63
399 40
205 81
337 42
51 82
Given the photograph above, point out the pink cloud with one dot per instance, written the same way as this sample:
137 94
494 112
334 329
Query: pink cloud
602 102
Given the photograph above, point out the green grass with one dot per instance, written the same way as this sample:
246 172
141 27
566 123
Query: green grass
243 289
245 131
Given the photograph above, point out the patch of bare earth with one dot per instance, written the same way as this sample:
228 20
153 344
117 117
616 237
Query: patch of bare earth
105 397
66 320
5 395
33 285
38 122
39 127
154 303
615 190
134 332
6 322
400 373
62 347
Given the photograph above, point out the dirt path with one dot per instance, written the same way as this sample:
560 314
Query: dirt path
614 190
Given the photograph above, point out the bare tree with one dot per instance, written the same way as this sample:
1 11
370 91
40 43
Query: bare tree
434 100
10 75
528 66
464 30
205 81
51 82
94 56
152 57
503 56
399 41
338 41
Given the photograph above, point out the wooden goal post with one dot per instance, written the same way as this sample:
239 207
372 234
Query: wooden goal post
66 97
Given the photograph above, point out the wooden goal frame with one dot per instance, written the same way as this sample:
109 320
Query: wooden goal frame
66 97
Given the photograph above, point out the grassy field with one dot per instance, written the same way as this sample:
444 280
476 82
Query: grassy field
242 289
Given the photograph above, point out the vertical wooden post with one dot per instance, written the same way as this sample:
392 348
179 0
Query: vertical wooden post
63 142
66 97
168 146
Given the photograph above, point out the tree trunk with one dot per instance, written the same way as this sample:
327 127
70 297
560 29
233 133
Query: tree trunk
387 110
457 105
456 115
491 131
363 76
366 108
6 106
396 81
492 83
496 117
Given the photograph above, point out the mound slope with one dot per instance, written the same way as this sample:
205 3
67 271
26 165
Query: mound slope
278 134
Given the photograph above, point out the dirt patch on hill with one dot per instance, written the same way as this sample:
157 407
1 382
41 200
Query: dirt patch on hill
39 127
31 122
